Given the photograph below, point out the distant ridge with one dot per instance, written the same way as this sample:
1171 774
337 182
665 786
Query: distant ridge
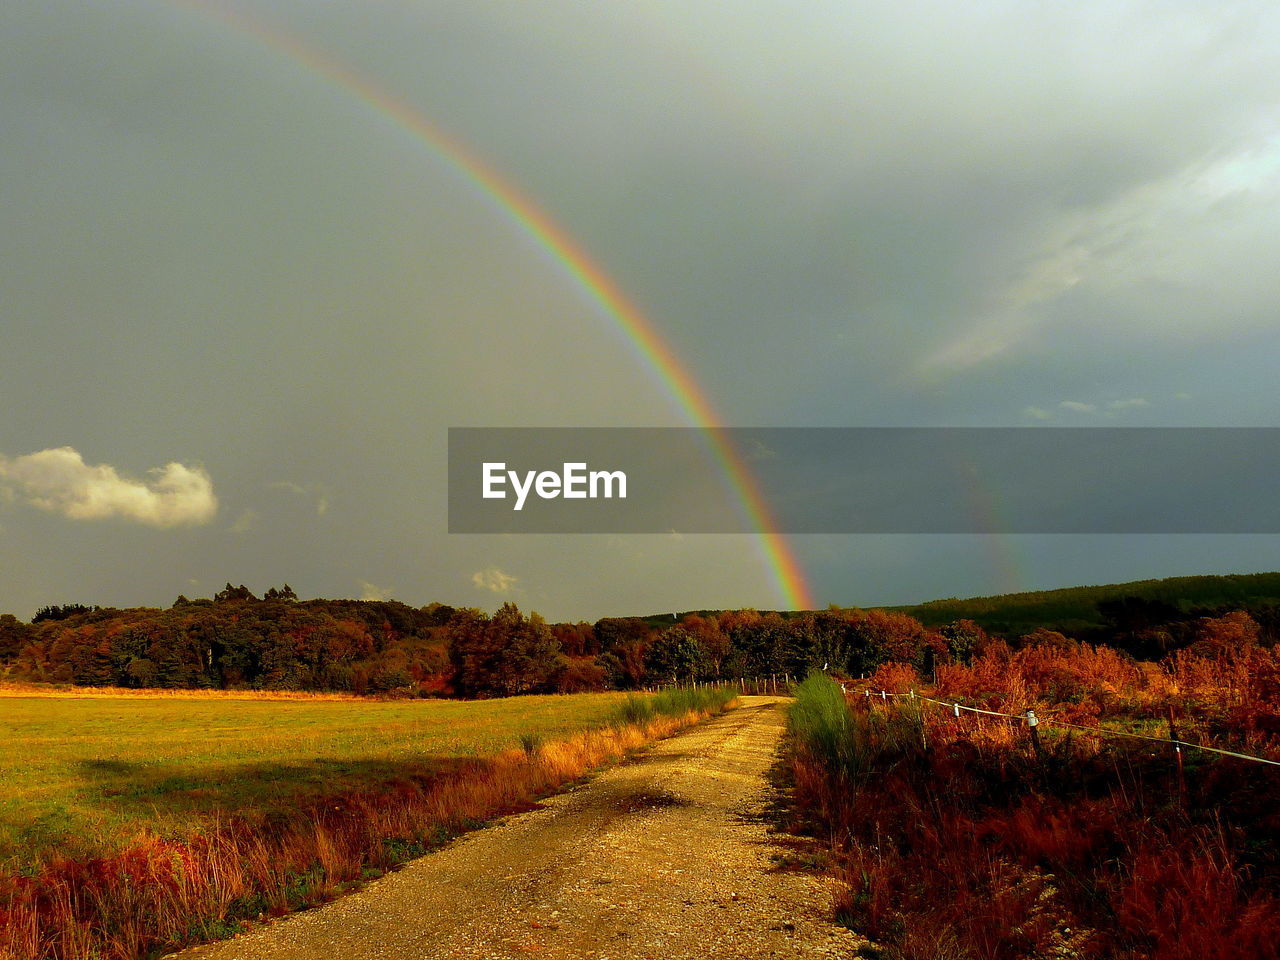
1075 608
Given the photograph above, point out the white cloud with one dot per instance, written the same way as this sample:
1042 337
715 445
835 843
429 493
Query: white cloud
318 491
59 481
1013 311
245 522
494 580
759 451
1110 409
1077 407
371 591
1204 232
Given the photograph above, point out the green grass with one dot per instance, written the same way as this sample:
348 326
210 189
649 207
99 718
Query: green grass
82 776
826 732
673 702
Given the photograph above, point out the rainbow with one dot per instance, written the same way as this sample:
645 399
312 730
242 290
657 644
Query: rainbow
656 353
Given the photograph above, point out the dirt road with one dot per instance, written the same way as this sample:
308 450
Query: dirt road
663 858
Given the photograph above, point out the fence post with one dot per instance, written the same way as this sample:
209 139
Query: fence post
956 707
1032 723
919 705
1177 755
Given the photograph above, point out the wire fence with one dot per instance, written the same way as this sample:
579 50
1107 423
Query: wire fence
1033 723
773 684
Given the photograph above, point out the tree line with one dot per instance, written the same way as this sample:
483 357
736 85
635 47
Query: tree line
237 640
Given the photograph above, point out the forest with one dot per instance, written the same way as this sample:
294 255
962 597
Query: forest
237 640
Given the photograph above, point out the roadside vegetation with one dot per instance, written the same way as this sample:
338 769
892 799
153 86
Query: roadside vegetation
264 752
958 839
134 825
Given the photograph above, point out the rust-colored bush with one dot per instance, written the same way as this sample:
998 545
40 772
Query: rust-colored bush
963 842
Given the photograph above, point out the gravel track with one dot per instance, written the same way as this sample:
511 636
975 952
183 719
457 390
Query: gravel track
663 857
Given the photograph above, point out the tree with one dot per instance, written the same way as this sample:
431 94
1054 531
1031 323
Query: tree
715 644
13 634
676 655
964 640
230 594
1231 634
502 655
613 632
63 612
578 675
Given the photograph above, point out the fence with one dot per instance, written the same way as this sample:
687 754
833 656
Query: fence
775 683
1033 723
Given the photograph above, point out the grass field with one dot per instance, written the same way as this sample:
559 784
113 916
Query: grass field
131 825
82 776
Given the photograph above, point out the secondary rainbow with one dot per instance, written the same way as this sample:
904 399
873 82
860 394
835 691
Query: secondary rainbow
658 356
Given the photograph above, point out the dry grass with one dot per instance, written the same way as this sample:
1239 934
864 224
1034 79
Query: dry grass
13 688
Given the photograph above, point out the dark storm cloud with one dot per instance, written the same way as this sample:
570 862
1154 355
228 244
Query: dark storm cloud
836 212
924 183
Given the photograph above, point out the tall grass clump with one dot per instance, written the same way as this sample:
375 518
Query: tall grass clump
836 751
635 709
820 725
678 701
844 744
674 702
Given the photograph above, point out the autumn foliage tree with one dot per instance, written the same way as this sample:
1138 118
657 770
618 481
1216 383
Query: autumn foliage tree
502 655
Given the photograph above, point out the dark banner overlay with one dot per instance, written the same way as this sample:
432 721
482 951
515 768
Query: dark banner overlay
864 480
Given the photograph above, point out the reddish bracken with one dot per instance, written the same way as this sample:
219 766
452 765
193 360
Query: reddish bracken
956 839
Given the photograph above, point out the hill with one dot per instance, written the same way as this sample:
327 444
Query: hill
1075 610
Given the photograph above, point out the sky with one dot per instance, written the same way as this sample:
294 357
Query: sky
247 284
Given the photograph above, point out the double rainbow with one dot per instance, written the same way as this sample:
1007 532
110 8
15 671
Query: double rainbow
776 552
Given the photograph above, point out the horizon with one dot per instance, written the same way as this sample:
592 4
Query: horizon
676 613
